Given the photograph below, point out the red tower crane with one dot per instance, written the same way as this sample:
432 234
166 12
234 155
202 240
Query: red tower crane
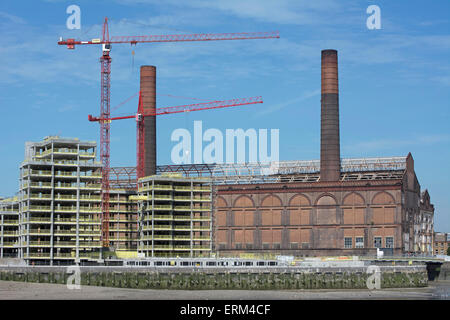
105 61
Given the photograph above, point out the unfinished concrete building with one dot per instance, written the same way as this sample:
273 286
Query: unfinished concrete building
9 227
123 226
174 216
60 205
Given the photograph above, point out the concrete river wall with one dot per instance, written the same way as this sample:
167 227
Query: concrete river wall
216 278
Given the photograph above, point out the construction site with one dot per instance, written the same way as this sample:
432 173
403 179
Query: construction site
72 208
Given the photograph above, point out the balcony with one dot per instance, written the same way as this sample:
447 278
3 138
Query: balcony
202 189
84 154
121 220
12 210
38 197
118 210
202 248
10 222
182 218
159 207
57 151
37 185
37 244
90 198
37 220
36 173
183 188
91 186
73 244
204 199
37 232
182 208
73 197
201 218
159 218
145 248
201 228
74 232
122 230
65 209
202 209
181 228
37 255
68 175
10 234
155 187
182 198
157 227
122 239
10 244
90 210
82 163
73 221
34 208
201 238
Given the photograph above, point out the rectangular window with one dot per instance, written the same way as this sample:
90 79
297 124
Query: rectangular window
359 242
348 243
389 242
377 242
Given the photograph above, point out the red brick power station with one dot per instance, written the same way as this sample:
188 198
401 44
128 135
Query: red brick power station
340 207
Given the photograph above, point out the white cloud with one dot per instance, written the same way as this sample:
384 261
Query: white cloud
279 106
387 144
11 18
297 12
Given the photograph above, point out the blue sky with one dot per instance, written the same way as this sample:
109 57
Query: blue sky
394 82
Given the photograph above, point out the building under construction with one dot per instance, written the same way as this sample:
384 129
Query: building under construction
174 216
330 206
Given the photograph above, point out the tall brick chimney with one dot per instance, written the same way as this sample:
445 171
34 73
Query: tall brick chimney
148 92
330 159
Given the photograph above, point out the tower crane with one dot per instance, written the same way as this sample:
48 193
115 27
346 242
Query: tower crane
105 60
140 115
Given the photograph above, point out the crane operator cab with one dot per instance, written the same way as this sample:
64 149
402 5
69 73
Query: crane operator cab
106 47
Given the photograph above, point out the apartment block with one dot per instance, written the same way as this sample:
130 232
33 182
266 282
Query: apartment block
174 215
9 227
59 202
123 226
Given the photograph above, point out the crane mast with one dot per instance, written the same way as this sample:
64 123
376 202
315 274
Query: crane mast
105 139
